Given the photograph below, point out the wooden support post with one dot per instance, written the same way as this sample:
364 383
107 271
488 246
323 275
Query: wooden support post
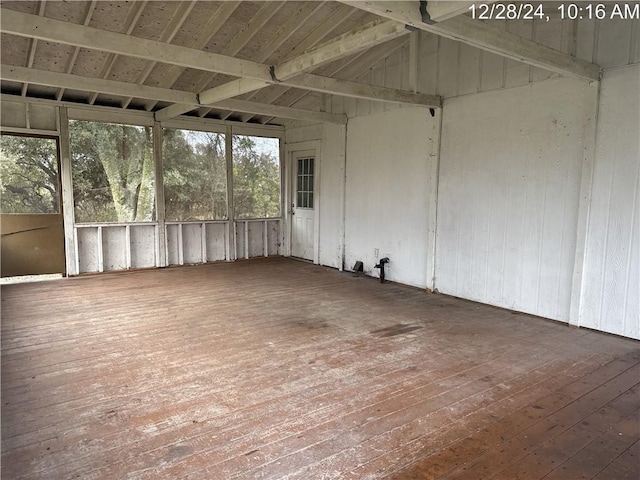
203 241
180 246
127 241
246 239
100 253
161 237
228 151
266 238
70 232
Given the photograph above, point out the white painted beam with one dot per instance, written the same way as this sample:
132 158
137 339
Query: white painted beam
343 45
365 91
483 36
75 82
33 26
91 84
280 111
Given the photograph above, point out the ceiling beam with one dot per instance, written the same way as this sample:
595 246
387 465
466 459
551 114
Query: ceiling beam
33 26
341 46
346 88
349 43
125 89
281 112
483 36
92 84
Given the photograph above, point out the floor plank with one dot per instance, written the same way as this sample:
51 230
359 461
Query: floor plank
274 368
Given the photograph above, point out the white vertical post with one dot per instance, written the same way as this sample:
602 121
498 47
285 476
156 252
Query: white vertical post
433 181
228 151
246 239
161 244
127 241
70 232
266 238
414 58
100 252
180 246
76 260
227 244
204 242
235 240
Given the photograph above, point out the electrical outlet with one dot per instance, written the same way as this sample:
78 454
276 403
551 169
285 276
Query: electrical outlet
376 253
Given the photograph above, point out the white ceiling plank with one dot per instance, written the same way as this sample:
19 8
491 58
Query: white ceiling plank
216 21
26 25
34 45
483 36
77 82
344 45
72 61
169 32
127 27
286 30
263 15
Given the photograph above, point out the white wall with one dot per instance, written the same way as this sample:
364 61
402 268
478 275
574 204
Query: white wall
510 171
610 299
387 192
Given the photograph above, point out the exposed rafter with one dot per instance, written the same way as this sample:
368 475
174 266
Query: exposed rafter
180 15
346 88
346 44
76 82
484 36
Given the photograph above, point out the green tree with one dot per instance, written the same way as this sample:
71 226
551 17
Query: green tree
113 172
29 174
256 178
195 175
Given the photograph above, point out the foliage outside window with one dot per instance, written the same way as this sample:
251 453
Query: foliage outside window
195 175
113 172
29 175
256 177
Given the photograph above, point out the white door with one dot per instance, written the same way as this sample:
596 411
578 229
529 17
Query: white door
301 211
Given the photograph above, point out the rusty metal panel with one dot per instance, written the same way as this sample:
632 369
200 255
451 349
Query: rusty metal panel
32 244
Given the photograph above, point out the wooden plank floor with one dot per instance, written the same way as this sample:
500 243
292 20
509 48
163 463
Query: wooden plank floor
279 369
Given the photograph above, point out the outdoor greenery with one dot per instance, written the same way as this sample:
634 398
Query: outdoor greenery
195 175
28 175
256 177
113 174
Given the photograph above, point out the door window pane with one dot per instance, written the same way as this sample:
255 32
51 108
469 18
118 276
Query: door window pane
29 175
113 172
256 177
305 182
195 175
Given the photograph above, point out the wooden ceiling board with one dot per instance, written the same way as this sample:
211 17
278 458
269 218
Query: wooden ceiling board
14 50
111 15
72 12
89 63
52 56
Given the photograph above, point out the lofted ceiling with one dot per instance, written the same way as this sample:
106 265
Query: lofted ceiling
248 61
